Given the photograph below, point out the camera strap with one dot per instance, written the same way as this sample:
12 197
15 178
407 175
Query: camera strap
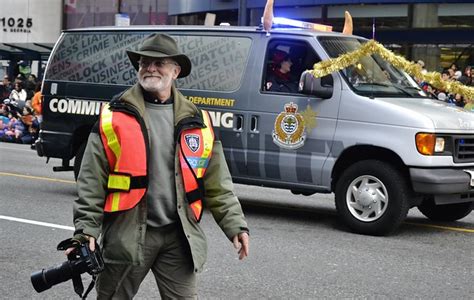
77 283
79 287
89 288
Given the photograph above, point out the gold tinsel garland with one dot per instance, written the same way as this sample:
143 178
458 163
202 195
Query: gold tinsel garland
326 67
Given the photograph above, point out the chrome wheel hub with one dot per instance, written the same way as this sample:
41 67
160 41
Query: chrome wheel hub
367 198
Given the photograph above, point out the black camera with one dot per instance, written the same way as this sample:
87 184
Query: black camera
80 260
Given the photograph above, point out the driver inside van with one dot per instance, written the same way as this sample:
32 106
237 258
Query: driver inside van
279 79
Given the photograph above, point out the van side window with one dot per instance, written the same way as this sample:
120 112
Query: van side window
285 61
95 58
218 62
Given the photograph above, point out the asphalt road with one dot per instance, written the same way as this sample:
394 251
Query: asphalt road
299 249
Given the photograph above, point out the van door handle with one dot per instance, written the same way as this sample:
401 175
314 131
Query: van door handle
238 124
254 124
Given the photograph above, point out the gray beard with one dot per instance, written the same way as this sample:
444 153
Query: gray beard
164 84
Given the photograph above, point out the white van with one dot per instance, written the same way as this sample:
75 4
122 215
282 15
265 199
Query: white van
367 133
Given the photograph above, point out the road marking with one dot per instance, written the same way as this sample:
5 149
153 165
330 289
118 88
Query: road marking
442 227
37 177
467 230
17 149
246 203
36 223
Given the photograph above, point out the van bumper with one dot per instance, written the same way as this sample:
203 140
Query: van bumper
447 185
54 144
440 181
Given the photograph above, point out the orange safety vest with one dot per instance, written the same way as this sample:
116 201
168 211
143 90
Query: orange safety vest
126 155
194 155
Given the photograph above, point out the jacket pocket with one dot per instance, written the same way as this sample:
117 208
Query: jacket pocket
121 236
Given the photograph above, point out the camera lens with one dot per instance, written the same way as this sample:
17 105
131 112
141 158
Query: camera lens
79 262
39 282
46 278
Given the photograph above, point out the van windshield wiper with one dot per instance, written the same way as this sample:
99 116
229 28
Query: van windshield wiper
398 88
404 89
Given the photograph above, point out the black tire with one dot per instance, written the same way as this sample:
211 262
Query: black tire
447 212
78 160
378 208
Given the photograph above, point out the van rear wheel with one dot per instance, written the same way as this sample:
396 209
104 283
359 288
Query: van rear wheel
78 160
447 212
372 197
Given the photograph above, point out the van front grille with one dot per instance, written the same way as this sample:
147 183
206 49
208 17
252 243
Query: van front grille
464 149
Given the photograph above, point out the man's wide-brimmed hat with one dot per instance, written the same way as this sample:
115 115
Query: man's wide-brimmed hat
161 46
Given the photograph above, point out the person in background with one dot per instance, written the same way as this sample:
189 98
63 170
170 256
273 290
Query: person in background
469 104
466 78
175 166
430 90
442 96
37 106
6 88
4 121
458 100
18 95
30 85
7 134
452 74
37 102
29 120
24 68
453 67
422 65
280 80
14 130
19 78
445 75
457 75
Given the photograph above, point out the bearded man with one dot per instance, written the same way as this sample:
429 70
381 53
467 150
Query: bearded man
151 163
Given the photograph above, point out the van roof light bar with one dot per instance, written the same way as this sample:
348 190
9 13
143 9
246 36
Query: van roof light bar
278 21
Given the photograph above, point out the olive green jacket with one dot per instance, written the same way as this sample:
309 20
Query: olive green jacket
122 234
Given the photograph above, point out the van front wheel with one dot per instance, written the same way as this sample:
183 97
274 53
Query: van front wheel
372 197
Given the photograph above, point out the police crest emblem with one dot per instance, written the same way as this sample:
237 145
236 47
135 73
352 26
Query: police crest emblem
192 141
289 130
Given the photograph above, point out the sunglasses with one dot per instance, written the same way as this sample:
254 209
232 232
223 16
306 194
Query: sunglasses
158 63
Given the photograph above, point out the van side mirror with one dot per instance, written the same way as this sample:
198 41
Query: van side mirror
319 87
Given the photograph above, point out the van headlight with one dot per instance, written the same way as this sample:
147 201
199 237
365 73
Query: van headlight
430 144
439 145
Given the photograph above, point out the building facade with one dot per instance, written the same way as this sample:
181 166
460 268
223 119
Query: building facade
28 31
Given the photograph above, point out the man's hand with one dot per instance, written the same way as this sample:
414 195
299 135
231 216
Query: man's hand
241 242
91 245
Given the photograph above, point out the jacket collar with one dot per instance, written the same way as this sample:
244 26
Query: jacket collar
183 108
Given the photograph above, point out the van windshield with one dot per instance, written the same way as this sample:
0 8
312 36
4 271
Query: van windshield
372 76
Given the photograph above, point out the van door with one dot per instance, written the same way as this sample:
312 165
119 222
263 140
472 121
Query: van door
219 62
289 135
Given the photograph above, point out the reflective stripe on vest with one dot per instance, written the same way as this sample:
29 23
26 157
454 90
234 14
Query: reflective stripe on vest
194 155
124 145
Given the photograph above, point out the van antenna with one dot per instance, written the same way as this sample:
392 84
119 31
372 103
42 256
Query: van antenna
268 16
